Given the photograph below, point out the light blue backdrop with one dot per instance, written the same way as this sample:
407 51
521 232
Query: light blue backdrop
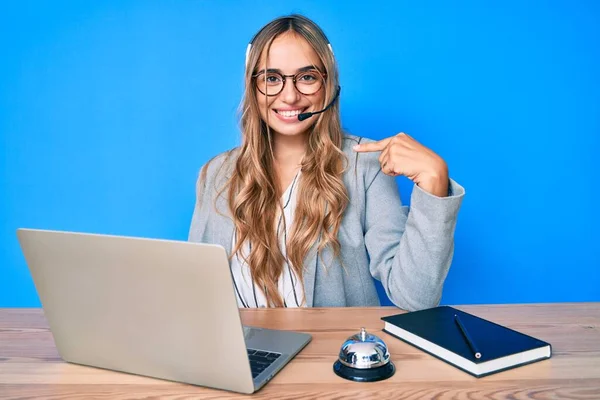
108 109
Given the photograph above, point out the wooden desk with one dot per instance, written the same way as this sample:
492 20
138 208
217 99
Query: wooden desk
31 368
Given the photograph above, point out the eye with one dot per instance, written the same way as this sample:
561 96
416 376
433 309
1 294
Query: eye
309 77
273 79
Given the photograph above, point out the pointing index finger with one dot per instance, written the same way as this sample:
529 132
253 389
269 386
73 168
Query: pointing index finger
371 146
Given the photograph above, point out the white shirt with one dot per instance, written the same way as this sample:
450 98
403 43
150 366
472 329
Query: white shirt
290 287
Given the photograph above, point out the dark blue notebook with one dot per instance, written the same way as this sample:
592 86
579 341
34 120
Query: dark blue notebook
436 331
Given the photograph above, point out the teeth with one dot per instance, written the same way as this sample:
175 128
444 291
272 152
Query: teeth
289 113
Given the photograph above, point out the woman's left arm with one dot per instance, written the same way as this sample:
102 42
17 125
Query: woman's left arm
410 252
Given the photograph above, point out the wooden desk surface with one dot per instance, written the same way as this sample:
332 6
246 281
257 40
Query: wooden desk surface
30 366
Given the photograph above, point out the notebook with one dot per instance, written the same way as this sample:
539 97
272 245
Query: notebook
437 331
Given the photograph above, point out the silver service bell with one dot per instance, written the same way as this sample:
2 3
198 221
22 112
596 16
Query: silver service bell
364 358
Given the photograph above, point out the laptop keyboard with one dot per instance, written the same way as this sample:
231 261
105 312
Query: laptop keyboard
260 360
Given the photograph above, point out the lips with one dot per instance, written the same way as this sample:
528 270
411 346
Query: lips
289 115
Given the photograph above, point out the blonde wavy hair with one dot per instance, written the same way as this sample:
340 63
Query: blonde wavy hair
254 193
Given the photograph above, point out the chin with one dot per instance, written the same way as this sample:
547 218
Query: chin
298 130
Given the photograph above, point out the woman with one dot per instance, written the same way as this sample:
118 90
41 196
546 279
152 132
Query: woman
308 214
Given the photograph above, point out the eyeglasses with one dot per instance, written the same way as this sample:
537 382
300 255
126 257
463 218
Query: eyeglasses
271 83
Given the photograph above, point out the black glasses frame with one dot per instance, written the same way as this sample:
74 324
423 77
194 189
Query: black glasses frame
285 78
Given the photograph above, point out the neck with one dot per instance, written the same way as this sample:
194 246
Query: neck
289 150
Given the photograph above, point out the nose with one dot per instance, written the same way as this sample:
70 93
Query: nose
289 94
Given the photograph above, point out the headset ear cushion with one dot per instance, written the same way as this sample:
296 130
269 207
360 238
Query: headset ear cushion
248 53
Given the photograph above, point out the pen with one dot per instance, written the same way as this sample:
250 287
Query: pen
467 337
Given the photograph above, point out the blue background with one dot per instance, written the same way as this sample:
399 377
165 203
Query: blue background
108 110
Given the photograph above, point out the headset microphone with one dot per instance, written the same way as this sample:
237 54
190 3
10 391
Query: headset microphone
303 116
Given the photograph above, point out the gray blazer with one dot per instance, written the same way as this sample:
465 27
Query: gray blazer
410 252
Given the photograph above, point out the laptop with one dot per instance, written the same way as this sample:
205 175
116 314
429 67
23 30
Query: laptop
159 308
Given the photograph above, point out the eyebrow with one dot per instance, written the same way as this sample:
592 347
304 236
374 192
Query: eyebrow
303 69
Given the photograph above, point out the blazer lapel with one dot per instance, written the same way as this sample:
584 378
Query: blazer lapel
310 275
